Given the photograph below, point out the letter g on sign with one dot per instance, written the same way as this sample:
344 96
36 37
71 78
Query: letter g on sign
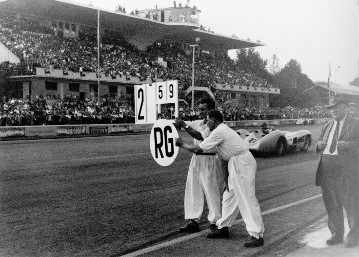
162 142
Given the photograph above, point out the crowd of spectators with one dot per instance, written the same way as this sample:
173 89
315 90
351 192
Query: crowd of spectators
253 113
37 48
37 45
121 9
17 24
44 111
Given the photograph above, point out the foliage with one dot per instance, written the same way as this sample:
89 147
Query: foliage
251 62
296 88
355 82
274 67
289 76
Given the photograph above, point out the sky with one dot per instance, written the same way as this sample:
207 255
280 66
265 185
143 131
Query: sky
317 33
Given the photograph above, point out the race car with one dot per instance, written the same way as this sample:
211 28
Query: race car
271 141
305 121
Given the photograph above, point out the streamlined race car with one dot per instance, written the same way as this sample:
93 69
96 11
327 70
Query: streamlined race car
271 141
304 121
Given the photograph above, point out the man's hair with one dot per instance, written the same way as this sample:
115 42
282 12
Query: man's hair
216 115
211 104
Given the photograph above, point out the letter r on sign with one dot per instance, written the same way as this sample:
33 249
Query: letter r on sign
158 144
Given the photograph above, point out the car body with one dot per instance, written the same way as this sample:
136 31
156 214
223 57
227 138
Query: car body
305 121
271 141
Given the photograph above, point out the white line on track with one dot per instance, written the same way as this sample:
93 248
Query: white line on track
191 236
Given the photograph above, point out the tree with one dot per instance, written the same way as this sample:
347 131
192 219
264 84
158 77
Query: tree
250 61
274 67
293 85
355 82
290 74
296 88
242 62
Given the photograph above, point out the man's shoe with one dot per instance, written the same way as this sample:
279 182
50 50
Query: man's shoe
213 227
351 242
334 240
192 227
219 233
254 242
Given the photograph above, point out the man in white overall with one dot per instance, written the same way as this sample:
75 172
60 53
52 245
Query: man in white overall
205 177
241 167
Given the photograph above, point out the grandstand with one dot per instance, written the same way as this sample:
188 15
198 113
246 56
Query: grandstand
55 42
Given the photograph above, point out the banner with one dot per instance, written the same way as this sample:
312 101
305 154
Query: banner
11 132
71 130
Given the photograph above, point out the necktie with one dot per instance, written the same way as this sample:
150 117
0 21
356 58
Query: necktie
333 146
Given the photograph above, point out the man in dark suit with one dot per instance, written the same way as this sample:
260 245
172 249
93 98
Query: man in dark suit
338 172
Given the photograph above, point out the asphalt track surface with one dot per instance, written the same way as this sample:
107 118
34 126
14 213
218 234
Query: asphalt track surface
106 196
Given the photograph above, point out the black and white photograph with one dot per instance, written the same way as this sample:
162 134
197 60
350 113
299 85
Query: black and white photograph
160 128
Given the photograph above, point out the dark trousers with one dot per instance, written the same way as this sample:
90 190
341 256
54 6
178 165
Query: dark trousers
338 192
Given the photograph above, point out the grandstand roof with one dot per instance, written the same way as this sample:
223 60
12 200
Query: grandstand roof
141 32
340 89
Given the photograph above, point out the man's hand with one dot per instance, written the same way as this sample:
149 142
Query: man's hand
175 123
180 123
321 145
179 142
343 145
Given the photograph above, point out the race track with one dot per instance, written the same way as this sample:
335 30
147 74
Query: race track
106 196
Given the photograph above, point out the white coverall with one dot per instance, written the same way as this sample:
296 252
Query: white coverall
205 178
241 181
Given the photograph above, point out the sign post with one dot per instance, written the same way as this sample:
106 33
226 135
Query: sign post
148 101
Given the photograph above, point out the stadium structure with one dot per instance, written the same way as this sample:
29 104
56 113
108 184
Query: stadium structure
350 92
138 29
336 88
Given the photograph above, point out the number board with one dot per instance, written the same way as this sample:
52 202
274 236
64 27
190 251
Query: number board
145 106
167 92
172 89
148 96
161 93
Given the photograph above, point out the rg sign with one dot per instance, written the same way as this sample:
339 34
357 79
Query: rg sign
162 142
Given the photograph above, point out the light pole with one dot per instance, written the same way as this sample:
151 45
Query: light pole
198 40
98 52
335 78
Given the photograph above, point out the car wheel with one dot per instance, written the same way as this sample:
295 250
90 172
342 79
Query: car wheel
307 140
280 147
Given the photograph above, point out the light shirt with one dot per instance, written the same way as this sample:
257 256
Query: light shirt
331 134
202 128
227 142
